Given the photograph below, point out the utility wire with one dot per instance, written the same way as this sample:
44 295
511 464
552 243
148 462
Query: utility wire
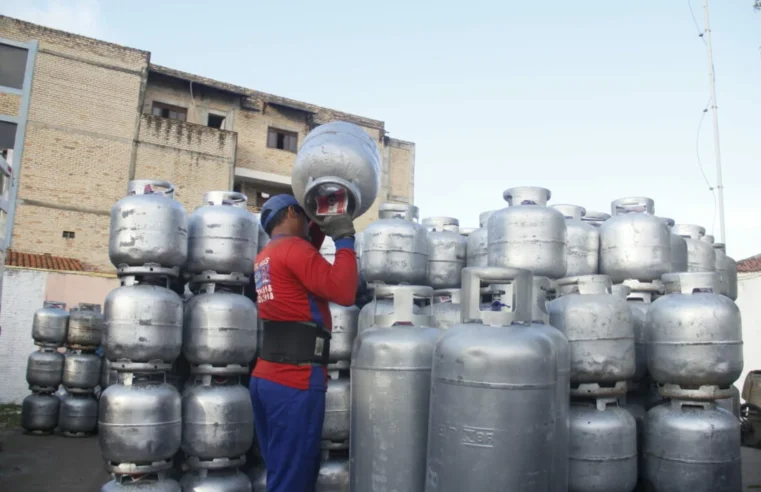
695 21
700 164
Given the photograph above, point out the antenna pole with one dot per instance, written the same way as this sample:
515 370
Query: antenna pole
715 112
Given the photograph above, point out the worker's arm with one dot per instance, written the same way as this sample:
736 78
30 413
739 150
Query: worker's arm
316 235
335 283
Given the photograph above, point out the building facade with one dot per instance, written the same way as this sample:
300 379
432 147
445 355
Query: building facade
82 117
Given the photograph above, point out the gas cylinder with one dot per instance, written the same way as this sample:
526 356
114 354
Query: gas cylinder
148 227
600 332
692 445
634 244
528 234
490 366
477 250
395 247
389 429
222 235
695 338
700 254
602 452
50 324
583 241
446 252
446 308
397 304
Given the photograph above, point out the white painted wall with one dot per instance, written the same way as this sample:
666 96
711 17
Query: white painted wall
23 293
749 302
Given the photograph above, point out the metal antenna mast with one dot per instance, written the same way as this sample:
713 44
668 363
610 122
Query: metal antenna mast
714 111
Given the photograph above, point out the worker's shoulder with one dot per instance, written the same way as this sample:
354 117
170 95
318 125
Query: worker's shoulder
288 244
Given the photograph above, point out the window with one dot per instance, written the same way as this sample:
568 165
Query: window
7 135
282 139
12 66
68 234
169 111
215 121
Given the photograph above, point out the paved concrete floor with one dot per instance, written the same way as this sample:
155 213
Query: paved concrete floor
55 463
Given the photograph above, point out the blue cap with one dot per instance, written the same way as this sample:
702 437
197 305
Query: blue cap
274 205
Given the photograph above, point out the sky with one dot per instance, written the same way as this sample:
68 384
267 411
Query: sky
594 100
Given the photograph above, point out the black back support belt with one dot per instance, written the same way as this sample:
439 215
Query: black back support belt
295 342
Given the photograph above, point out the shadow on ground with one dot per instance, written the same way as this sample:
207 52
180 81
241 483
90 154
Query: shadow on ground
50 463
61 464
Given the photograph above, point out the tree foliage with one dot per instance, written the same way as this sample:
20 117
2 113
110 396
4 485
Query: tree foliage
757 4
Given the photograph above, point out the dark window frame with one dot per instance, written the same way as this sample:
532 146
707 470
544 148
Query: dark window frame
280 139
68 234
222 120
13 62
165 111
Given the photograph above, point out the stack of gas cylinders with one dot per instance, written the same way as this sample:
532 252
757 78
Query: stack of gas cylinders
72 408
203 346
44 369
626 365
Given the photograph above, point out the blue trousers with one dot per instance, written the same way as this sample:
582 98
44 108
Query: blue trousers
289 428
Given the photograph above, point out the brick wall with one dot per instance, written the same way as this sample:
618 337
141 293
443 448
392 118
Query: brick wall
194 158
9 104
83 116
86 137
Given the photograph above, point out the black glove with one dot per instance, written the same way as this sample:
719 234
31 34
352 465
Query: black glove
338 227
364 293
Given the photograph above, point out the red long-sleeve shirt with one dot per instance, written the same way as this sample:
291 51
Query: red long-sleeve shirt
295 283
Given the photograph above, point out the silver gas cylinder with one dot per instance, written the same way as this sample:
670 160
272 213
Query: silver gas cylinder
44 370
490 366
634 244
344 322
600 332
148 227
335 427
220 330
595 219
328 250
337 157
393 304
602 452
446 308
202 480
50 324
334 475
139 421
217 420
640 297
39 413
700 254
528 234
222 235
692 445
695 338
263 239
389 428
679 254
732 403
108 375
141 483
447 251
540 322
477 250
86 327
582 239
727 268
78 415
395 247
81 371
143 326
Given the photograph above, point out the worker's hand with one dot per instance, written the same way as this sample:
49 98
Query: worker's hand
338 227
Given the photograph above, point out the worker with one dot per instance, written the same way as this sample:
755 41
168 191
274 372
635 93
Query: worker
294 284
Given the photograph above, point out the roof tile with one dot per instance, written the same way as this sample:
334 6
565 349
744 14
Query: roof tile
752 264
43 261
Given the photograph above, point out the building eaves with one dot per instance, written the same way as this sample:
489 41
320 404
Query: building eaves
262 98
749 265
215 84
43 261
